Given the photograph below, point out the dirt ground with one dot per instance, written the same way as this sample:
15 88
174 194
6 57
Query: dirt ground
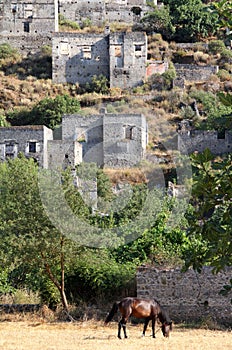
95 336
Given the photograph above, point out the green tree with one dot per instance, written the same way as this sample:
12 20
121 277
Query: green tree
190 20
159 21
28 236
47 112
222 10
210 220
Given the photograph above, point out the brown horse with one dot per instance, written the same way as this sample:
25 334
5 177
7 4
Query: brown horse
140 308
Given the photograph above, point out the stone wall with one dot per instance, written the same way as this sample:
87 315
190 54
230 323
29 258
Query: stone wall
128 57
120 57
199 140
188 296
114 140
28 24
193 72
124 139
104 11
30 140
77 57
28 43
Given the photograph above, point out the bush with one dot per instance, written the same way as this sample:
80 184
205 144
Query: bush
6 51
98 84
47 112
63 22
216 46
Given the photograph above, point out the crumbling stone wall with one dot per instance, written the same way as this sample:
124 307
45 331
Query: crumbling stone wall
104 11
77 57
189 296
28 24
120 57
193 72
199 140
128 57
114 140
30 140
124 139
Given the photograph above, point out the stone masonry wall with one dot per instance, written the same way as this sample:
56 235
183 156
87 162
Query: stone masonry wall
28 24
189 296
199 140
193 72
77 57
102 11
128 57
18 139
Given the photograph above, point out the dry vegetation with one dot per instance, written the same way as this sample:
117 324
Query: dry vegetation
94 335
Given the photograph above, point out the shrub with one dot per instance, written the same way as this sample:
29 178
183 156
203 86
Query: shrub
6 51
65 23
98 84
216 46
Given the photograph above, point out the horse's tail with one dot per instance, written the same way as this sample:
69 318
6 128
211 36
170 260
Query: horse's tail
111 313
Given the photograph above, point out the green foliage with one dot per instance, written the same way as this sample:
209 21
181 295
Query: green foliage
5 285
216 46
158 244
47 112
210 220
28 237
219 115
159 21
96 275
169 76
3 121
222 9
190 20
63 22
6 51
99 84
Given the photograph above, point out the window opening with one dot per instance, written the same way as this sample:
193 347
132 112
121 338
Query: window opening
32 147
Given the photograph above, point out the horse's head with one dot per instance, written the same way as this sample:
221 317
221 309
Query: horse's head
166 328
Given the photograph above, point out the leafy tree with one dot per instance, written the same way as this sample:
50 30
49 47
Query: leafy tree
28 237
159 21
219 114
47 112
190 20
210 220
222 9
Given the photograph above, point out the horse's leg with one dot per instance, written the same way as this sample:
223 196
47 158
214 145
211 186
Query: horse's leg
145 326
122 324
119 329
124 328
153 327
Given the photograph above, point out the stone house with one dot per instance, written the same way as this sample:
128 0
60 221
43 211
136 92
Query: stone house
120 57
30 140
190 141
109 140
28 24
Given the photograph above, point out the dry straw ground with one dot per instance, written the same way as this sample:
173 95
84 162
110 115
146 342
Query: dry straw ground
89 335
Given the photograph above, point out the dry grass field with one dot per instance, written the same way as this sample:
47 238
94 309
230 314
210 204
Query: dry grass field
89 335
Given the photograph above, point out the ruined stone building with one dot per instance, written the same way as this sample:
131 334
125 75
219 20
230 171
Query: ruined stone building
109 140
198 140
30 140
28 24
120 57
99 12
